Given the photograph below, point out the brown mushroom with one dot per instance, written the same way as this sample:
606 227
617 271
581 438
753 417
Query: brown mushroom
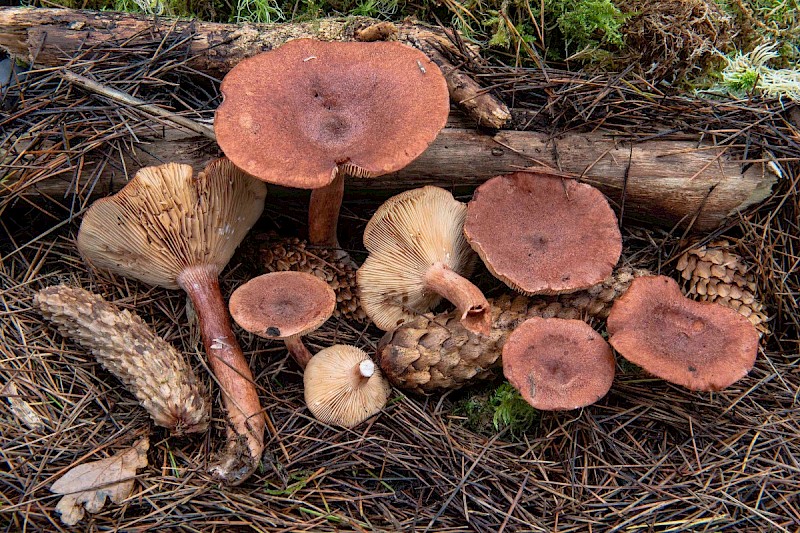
698 345
343 387
542 233
283 305
558 364
171 229
417 254
306 113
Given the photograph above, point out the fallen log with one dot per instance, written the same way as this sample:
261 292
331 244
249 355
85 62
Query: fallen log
52 37
671 183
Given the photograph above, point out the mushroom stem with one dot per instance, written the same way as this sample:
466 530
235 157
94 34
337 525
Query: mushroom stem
323 212
298 350
469 300
231 371
366 369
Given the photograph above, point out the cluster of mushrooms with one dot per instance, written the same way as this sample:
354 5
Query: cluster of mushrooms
312 114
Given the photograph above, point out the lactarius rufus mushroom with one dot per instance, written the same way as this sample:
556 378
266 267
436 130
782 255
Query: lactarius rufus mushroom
283 305
698 345
308 112
171 229
417 255
433 353
542 233
343 387
558 364
150 367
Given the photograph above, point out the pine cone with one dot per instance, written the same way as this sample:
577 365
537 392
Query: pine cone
276 254
715 273
150 367
435 352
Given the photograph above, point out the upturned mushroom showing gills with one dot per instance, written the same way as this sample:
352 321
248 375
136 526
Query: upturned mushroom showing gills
343 387
309 112
699 345
417 255
283 305
171 229
542 233
558 364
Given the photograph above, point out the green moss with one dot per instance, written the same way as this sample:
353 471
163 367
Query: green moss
498 409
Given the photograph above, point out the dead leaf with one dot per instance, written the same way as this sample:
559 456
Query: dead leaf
89 484
21 409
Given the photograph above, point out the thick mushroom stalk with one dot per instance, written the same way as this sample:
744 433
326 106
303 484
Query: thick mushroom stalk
310 112
417 255
469 300
171 229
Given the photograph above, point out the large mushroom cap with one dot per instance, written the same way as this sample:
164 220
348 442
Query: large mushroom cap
542 233
343 386
408 234
699 345
292 115
282 304
165 220
558 364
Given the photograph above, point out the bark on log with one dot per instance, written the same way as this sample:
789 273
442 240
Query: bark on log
51 37
665 182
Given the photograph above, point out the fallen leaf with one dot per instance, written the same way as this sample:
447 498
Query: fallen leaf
21 409
89 484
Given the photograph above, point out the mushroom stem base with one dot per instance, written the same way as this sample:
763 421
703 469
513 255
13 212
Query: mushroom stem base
323 213
231 372
469 300
298 350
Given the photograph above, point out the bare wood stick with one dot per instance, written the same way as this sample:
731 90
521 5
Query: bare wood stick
668 182
141 105
51 37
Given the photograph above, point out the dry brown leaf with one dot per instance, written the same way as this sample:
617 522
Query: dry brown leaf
21 409
89 484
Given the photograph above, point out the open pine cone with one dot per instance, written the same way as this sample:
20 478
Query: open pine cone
279 254
715 273
435 352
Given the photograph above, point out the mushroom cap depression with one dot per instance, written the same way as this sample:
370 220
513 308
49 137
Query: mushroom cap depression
405 237
282 304
293 115
558 364
542 233
165 220
698 345
343 386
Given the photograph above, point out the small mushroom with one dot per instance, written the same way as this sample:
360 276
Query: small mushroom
283 305
169 228
558 364
698 345
417 254
309 112
343 387
542 233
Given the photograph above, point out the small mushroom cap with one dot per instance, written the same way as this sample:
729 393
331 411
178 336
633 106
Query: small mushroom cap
293 115
542 233
698 345
558 364
343 387
282 304
165 220
405 237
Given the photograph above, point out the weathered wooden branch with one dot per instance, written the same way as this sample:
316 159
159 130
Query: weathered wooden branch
52 37
666 182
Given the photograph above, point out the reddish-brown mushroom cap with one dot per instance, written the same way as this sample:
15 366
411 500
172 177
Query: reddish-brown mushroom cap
698 345
558 364
282 304
542 233
293 115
